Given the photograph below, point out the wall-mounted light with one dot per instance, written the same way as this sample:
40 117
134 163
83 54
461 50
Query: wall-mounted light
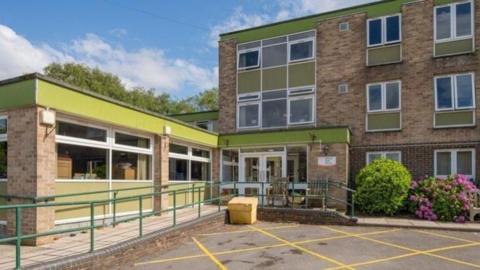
47 118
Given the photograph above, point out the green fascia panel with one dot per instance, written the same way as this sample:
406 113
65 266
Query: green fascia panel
384 55
17 94
3 191
461 118
274 78
384 121
376 9
443 2
304 136
454 47
134 205
301 74
80 211
84 104
249 81
198 116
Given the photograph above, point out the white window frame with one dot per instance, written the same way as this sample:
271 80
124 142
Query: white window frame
257 49
189 157
259 116
453 86
384 96
383 20
453 161
383 154
4 138
132 149
304 40
453 22
300 97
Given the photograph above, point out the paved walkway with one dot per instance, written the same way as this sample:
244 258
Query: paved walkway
417 223
105 237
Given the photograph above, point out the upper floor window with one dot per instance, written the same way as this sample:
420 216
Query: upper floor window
249 55
384 30
249 111
454 92
383 96
453 21
3 125
301 46
300 106
3 148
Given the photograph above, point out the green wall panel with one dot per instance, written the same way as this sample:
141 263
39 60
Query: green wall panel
301 74
3 191
274 78
325 135
454 47
198 116
17 94
454 118
249 81
89 106
382 121
384 55
80 211
134 205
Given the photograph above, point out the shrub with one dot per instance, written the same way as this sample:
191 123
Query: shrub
382 187
441 199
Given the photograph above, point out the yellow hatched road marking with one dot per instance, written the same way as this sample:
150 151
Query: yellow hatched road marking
242 231
210 255
446 236
302 248
415 251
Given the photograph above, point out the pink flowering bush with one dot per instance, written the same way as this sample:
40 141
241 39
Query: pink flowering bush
441 199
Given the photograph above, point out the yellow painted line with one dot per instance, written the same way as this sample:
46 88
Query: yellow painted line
243 231
446 236
210 255
264 247
415 251
301 248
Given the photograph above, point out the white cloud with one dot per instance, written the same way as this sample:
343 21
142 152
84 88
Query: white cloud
147 67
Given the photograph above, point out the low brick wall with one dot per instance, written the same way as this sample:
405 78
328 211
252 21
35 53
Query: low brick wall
304 216
123 255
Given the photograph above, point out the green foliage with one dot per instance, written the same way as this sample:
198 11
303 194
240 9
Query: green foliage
382 187
110 85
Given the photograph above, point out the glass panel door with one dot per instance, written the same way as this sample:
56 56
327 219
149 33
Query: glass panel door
273 168
252 169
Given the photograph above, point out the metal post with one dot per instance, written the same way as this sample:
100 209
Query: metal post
219 198
114 209
18 232
140 221
193 196
353 206
235 193
199 206
263 193
92 226
174 207
326 194
293 192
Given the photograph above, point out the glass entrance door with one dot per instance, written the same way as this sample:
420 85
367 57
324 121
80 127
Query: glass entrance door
256 168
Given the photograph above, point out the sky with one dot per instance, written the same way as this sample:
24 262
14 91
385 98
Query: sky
171 46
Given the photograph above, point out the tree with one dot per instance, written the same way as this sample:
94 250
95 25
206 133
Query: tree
110 85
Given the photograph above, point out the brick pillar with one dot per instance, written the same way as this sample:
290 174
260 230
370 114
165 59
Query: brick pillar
31 170
161 175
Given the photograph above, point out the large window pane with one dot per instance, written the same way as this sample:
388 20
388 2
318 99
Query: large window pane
464 19
200 153
81 162
444 93
393 96
3 126
178 149
301 50
274 55
229 166
248 115
274 113
373 156
3 160
393 156
178 169
444 162
443 22
200 171
82 132
464 91
297 164
393 28
464 163
375 97
129 140
248 59
301 110
375 32
130 166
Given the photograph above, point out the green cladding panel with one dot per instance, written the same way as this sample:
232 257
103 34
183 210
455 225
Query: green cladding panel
383 121
274 78
454 47
303 136
17 94
301 74
461 118
384 55
133 205
3 191
197 116
249 81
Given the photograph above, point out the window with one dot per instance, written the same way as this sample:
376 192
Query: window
301 104
297 163
274 55
274 109
248 115
393 155
457 161
384 30
248 59
81 131
301 50
130 166
229 165
189 163
81 162
454 92
3 148
453 21
383 96
130 140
